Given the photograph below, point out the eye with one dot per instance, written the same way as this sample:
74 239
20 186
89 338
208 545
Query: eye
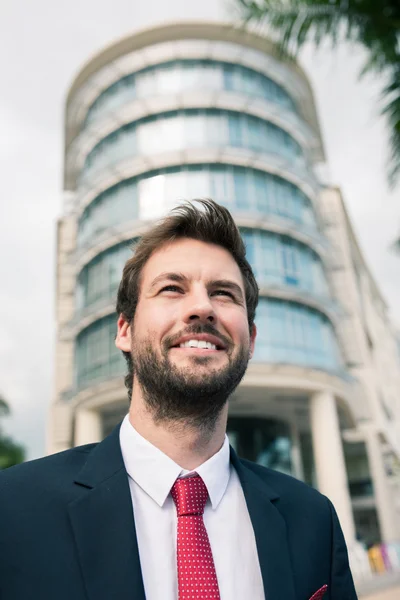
224 293
171 288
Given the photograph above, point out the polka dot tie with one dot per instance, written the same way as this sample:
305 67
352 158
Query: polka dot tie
197 578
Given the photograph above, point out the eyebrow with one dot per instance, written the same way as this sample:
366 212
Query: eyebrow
229 285
180 278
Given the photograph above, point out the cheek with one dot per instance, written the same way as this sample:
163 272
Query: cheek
238 328
155 322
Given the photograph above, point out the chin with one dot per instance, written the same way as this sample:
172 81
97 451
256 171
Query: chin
201 360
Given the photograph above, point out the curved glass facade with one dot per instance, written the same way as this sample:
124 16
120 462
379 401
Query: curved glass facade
279 260
96 356
99 280
179 130
184 75
117 205
291 333
241 189
288 333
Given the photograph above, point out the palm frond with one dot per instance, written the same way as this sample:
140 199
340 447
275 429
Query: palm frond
391 110
374 25
4 407
296 21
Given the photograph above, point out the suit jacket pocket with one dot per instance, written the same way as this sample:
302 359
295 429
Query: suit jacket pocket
319 593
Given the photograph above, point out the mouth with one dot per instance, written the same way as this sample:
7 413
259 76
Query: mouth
199 344
196 351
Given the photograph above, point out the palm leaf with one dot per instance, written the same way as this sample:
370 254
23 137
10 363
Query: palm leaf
4 408
391 109
375 25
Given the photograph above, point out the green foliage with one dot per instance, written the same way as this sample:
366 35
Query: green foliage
4 408
10 453
373 24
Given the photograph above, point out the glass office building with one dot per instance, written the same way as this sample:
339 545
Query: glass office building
203 110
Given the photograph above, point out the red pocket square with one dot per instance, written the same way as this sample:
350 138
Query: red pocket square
320 593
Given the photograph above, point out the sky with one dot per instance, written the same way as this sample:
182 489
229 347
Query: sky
43 44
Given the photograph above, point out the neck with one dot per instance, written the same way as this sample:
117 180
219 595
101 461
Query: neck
187 445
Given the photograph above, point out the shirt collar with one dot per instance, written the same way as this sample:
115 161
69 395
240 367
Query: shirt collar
156 473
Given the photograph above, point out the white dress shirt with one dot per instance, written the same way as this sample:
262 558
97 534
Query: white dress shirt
151 477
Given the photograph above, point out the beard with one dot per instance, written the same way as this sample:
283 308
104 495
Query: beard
180 394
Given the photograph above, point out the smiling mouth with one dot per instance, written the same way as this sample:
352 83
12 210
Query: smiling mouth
194 350
199 340
198 346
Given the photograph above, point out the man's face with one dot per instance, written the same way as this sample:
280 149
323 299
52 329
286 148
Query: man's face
189 340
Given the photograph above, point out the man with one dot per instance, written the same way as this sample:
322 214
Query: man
163 508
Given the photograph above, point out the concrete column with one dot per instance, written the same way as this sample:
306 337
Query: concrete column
88 427
59 429
385 506
297 462
329 459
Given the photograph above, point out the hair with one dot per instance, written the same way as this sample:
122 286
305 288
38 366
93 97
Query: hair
202 220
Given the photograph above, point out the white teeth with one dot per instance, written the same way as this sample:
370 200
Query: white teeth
198 344
211 346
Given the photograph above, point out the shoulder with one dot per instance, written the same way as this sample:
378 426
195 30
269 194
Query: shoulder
47 471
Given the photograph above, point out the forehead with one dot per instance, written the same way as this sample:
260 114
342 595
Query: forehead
194 259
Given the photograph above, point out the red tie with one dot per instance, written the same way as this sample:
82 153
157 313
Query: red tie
196 572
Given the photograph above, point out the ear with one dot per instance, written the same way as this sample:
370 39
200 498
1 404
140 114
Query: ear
253 335
123 339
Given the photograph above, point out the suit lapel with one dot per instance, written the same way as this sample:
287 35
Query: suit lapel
270 533
104 528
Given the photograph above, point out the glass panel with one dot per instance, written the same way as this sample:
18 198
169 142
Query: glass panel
235 130
198 183
291 333
152 197
99 279
175 189
189 129
241 184
96 354
222 187
196 130
180 75
240 189
168 81
265 441
117 205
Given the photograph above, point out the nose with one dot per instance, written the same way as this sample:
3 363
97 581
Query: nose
198 307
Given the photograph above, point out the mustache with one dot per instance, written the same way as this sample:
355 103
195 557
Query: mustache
197 329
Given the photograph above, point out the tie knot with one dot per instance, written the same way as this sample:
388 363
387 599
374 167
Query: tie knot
190 495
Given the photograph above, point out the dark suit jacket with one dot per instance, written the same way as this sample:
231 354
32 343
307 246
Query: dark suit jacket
67 531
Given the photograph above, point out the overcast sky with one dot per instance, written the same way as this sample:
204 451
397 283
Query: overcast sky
42 46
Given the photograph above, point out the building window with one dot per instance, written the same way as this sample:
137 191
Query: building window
278 260
265 441
288 333
179 130
183 75
291 333
96 356
99 280
117 205
242 190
